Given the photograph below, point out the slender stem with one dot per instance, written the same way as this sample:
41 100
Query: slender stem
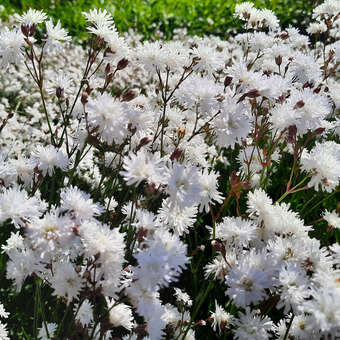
35 317
64 131
46 116
206 292
288 328
291 191
323 200
165 102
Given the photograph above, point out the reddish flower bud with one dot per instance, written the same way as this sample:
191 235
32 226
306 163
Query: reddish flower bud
227 81
122 64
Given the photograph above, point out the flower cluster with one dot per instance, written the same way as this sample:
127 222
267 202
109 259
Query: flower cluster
136 174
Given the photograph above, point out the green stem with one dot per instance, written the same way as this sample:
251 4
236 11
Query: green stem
206 292
35 317
288 328
46 115
291 190
320 202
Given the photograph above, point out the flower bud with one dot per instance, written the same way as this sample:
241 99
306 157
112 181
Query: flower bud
129 95
278 60
227 81
122 64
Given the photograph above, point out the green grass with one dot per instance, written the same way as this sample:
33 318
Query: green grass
149 16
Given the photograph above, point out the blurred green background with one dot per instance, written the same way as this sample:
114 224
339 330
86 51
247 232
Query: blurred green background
149 16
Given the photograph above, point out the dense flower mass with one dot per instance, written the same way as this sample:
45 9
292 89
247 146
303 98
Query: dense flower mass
172 189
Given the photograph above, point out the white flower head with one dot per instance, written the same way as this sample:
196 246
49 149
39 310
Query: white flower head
32 17
55 36
46 331
11 47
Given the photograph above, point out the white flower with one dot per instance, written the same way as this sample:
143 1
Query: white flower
323 162
143 166
247 281
11 47
316 27
243 10
47 158
250 326
22 264
208 59
305 68
161 261
108 115
24 168
183 297
55 34
121 315
60 80
183 186
18 206
84 313
231 124
200 92
3 313
32 17
209 193
65 281
236 231
311 109
46 332
176 217
98 17
79 204
3 332
294 287
221 318
325 309
109 245
259 204
332 218
51 236
150 55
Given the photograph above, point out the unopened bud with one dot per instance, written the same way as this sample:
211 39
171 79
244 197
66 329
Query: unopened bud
200 323
150 189
59 92
176 155
122 64
319 131
227 81
100 43
129 95
217 245
75 230
87 275
181 132
107 69
141 234
278 60
143 141
299 105
291 134
32 29
308 84
132 128
89 89
317 90
25 30
109 78
84 98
